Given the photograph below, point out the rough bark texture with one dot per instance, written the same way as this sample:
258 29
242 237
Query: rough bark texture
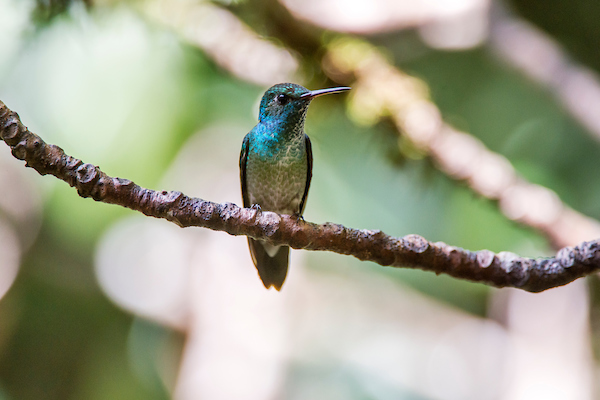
502 270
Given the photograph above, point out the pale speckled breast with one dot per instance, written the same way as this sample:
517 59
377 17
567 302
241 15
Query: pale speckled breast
276 174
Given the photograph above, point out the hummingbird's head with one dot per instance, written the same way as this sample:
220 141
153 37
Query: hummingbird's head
288 102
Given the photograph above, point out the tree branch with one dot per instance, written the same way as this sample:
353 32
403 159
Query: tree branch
502 270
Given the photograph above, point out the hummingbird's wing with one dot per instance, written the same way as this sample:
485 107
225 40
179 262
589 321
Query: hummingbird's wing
309 165
243 160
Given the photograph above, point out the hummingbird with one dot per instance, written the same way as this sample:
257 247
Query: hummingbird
276 168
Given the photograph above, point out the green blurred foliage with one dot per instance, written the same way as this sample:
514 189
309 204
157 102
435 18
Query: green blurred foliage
515 118
46 10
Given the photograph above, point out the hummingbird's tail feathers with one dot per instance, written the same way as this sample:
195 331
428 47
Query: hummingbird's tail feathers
272 270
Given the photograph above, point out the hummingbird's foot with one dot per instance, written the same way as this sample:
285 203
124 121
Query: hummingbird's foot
298 217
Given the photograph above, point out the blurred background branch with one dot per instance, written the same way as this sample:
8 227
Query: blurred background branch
381 90
495 113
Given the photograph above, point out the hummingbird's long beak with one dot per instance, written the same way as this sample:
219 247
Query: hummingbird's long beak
315 93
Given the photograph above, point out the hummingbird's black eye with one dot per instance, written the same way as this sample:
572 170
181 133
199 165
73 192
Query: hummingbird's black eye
282 99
